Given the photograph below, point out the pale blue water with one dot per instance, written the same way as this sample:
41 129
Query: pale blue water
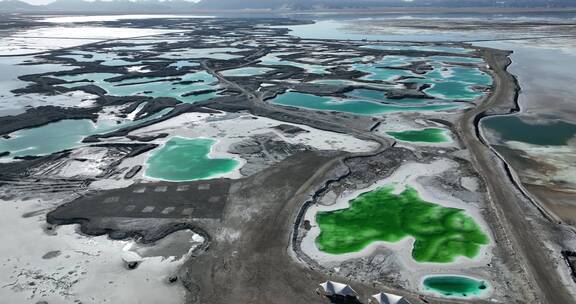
248 71
356 106
379 73
273 59
380 96
203 81
183 63
455 50
335 29
208 53
456 59
61 135
109 59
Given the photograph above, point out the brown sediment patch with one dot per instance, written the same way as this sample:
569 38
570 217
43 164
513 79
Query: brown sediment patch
562 203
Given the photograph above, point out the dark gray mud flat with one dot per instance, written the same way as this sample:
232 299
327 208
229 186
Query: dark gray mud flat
145 211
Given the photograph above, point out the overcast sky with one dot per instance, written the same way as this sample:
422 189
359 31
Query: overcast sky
47 1
38 1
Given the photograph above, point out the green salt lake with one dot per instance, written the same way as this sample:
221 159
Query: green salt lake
428 135
186 159
455 286
441 234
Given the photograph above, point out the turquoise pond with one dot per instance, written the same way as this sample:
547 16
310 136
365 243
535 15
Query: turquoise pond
445 49
183 64
109 59
61 135
186 159
356 106
380 97
153 87
274 59
513 128
455 286
447 82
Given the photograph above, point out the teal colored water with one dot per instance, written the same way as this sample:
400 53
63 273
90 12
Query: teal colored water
396 61
455 286
183 63
47 139
456 59
452 90
201 81
512 128
448 82
90 77
110 59
379 73
356 106
445 49
380 96
243 72
428 135
186 159
454 82
273 59
350 82
61 135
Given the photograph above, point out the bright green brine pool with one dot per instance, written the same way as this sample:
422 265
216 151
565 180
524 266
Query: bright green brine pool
185 159
428 135
441 234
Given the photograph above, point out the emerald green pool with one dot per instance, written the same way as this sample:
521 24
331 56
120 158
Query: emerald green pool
356 106
186 159
512 128
428 135
441 234
455 286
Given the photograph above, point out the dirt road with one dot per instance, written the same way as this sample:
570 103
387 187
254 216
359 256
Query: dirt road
509 204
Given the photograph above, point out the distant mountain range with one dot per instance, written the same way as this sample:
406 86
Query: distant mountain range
183 6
